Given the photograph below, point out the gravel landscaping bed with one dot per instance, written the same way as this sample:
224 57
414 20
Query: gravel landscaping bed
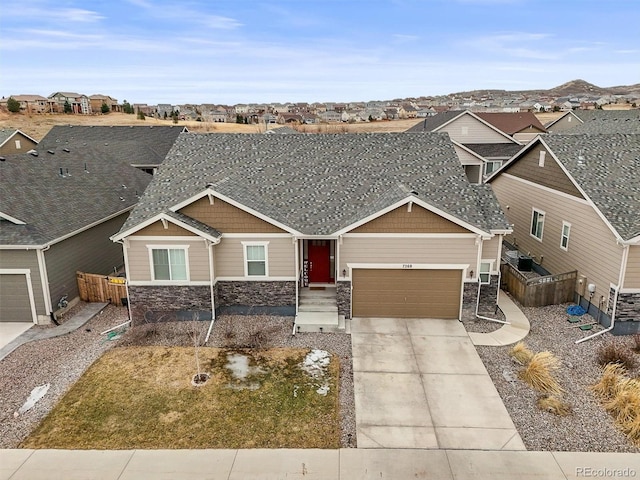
59 361
589 427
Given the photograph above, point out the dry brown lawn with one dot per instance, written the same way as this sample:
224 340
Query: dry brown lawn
142 397
37 126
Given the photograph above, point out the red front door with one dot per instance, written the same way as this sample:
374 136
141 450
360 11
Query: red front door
319 265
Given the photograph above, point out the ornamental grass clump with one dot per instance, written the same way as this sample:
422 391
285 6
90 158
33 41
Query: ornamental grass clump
521 353
554 404
616 352
538 373
620 396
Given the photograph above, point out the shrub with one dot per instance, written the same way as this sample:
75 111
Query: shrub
538 373
521 353
636 343
620 396
553 404
617 353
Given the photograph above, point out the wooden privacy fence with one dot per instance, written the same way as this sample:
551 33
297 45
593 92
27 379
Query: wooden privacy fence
101 288
539 291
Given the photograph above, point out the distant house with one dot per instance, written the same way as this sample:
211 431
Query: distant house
330 116
574 202
15 141
79 103
143 147
31 103
57 211
98 100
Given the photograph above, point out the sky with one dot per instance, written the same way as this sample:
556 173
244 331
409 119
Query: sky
260 51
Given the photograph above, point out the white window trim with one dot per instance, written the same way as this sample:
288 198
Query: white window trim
490 272
541 158
499 162
544 218
562 236
246 262
151 248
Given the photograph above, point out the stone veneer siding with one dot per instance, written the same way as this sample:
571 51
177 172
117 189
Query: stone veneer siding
628 307
343 298
150 303
257 294
488 296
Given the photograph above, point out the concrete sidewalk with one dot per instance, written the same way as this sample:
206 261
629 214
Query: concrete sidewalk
347 464
87 313
517 329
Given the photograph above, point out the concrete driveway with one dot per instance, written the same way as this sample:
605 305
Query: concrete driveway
12 330
419 383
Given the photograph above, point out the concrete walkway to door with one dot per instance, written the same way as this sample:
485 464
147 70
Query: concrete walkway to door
419 383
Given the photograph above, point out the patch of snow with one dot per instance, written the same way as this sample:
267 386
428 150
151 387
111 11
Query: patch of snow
35 395
240 369
315 364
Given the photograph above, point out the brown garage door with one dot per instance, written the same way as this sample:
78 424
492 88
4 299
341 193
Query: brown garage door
406 293
14 299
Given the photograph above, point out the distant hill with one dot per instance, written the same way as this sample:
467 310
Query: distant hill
573 87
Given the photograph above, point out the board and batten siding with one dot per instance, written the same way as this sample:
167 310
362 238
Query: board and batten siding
632 275
467 129
356 249
26 259
229 256
157 229
418 220
90 251
592 248
139 261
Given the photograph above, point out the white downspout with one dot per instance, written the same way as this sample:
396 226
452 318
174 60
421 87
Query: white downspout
211 280
296 252
125 254
44 279
623 264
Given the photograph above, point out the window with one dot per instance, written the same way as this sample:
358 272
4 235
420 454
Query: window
537 224
169 263
464 131
564 238
255 255
490 167
485 271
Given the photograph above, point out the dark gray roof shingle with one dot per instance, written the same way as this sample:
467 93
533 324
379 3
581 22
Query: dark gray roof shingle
606 121
494 150
607 168
318 184
429 124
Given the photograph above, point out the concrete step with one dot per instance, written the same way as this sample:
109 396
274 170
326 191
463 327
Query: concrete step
317 301
320 294
318 308
325 322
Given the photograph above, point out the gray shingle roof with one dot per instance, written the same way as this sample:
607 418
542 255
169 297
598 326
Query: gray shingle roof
141 145
319 184
429 124
33 191
607 168
494 150
606 121
6 134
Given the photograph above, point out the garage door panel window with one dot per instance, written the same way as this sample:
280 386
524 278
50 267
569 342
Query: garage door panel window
169 264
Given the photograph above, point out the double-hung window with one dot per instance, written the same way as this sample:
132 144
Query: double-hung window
564 238
492 166
255 259
485 271
169 263
537 224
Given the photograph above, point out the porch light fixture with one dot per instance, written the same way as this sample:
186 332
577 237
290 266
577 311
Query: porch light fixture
344 272
470 273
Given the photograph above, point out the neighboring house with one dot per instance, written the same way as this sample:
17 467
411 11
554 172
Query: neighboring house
523 126
597 121
248 223
98 100
15 141
574 202
467 128
79 103
143 147
31 103
57 211
330 116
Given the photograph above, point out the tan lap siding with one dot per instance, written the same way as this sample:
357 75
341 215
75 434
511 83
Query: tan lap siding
476 131
592 251
408 250
139 263
490 249
632 276
229 256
